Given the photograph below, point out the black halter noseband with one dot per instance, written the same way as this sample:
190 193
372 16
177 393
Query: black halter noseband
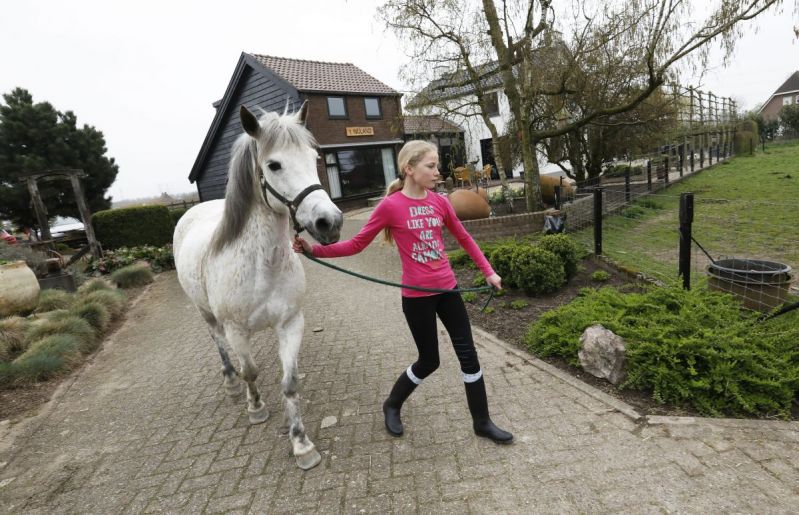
292 205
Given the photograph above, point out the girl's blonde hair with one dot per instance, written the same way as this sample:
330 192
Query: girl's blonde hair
409 155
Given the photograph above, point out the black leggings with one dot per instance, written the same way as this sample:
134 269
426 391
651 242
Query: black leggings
420 312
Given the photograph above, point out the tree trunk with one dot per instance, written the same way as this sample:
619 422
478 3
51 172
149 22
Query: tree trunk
532 182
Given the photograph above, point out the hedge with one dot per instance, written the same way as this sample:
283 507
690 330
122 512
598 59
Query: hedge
133 226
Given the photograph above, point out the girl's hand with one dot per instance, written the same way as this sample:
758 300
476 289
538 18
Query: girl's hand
301 246
495 281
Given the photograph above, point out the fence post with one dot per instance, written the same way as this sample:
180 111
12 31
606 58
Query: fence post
701 157
649 175
682 158
686 220
557 196
692 158
666 171
710 155
598 221
627 186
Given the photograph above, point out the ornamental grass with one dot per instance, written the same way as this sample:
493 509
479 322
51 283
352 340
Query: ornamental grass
114 301
132 276
50 300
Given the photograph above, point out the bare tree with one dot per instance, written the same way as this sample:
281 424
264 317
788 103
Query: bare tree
545 55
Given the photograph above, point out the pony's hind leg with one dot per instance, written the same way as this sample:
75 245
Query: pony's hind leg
290 336
239 339
233 385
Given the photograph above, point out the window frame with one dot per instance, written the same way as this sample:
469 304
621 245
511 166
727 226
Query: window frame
787 100
331 116
366 114
495 95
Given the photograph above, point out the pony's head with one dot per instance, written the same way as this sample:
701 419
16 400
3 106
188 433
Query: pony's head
280 151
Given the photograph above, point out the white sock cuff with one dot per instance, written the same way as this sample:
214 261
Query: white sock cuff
411 376
472 378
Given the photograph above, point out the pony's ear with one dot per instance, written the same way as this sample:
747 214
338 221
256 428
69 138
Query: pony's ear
302 114
249 122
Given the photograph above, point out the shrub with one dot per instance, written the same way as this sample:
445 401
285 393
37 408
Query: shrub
12 337
744 142
479 280
75 326
686 348
133 226
537 270
94 285
600 276
44 359
458 258
95 313
57 314
176 214
50 300
488 310
34 260
64 346
114 301
469 296
518 304
502 292
566 249
501 257
132 276
159 258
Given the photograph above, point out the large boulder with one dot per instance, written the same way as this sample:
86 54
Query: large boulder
469 205
19 289
602 354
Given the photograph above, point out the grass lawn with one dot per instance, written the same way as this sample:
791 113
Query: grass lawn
745 207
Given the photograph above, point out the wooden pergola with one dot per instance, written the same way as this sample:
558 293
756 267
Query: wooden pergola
41 211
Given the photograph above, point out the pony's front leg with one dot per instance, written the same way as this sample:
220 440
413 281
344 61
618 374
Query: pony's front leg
290 336
239 339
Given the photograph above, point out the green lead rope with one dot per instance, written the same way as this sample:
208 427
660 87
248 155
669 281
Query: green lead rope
407 286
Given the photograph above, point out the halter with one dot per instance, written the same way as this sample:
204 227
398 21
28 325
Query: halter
292 205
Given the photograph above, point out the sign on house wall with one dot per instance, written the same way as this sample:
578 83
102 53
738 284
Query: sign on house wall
360 131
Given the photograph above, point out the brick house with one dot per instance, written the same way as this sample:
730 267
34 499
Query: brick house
786 94
355 118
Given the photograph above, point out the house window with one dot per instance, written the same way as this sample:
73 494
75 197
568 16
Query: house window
357 171
786 101
492 103
336 107
372 107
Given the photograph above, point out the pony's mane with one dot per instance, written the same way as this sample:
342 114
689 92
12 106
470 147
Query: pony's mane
243 186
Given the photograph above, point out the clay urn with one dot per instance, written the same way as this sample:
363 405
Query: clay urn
469 205
548 183
19 289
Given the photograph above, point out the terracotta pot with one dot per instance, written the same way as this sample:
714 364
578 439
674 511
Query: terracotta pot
469 205
19 289
548 183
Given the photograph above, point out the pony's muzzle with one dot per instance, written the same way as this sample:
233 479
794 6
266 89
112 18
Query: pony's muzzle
327 229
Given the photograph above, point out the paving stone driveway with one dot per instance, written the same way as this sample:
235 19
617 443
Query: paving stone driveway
146 427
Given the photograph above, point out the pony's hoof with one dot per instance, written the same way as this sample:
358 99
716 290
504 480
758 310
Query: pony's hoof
234 388
258 415
309 460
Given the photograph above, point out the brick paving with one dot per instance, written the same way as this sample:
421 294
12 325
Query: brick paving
147 428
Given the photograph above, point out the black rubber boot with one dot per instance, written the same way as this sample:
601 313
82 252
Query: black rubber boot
391 408
478 406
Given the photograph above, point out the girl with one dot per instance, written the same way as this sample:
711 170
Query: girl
413 215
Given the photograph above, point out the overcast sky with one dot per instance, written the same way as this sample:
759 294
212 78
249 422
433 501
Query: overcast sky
145 73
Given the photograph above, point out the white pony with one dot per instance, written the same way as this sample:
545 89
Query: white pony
234 257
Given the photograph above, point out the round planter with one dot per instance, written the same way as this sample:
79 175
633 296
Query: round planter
19 289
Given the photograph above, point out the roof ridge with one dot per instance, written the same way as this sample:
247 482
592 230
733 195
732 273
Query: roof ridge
299 60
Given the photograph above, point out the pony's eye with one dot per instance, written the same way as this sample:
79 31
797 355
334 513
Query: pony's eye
274 166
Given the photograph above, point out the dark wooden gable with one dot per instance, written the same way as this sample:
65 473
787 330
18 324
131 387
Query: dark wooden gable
255 87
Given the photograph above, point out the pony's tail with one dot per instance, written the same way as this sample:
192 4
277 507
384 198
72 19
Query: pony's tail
394 187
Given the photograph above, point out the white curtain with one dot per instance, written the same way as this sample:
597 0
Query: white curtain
389 170
332 180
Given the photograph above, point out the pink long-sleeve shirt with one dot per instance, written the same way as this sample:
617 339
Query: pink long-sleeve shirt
415 225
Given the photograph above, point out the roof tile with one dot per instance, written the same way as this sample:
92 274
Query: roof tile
323 76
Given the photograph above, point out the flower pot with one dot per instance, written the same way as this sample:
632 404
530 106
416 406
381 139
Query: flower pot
19 289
